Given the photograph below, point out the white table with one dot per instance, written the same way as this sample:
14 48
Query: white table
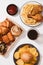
3 14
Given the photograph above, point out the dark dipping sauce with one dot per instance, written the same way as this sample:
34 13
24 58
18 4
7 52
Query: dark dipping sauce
3 48
32 34
12 9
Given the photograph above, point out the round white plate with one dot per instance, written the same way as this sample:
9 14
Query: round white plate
30 2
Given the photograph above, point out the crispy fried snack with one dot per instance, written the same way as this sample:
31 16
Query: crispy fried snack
3 30
10 36
37 17
7 23
5 39
36 9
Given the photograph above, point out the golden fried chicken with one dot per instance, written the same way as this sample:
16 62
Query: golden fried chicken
7 23
36 9
3 30
10 36
5 39
37 17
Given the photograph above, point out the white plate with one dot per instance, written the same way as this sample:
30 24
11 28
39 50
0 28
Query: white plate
30 2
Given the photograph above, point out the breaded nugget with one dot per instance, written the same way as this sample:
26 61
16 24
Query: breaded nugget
5 39
16 55
20 62
10 23
37 17
3 30
5 23
10 36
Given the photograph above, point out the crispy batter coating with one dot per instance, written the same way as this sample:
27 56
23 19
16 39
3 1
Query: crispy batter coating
10 36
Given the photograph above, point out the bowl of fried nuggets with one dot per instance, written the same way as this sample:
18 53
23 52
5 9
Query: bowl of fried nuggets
9 32
31 13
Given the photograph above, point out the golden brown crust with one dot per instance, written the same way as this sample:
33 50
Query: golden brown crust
3 30
10 36
5 39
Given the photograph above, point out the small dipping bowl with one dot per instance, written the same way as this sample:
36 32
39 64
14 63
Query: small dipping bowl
35 35
32 34
12 9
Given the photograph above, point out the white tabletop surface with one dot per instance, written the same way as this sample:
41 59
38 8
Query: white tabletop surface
3 15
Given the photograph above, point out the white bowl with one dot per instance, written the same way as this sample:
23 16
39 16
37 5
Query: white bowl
33 2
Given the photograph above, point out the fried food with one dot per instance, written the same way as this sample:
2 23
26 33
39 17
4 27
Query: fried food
3 30
10 36
6 35
0 39
37 17
33 51
17 55
36 9
7 23
10 23
28 64
5 39
26 56
20 62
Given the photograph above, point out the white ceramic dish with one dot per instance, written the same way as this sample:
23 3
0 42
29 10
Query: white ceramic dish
30 2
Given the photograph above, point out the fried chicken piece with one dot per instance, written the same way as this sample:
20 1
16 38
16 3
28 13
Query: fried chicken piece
5 39
7 23
37 17
3 30
16 55
36 9
10 36
11 23
19 62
